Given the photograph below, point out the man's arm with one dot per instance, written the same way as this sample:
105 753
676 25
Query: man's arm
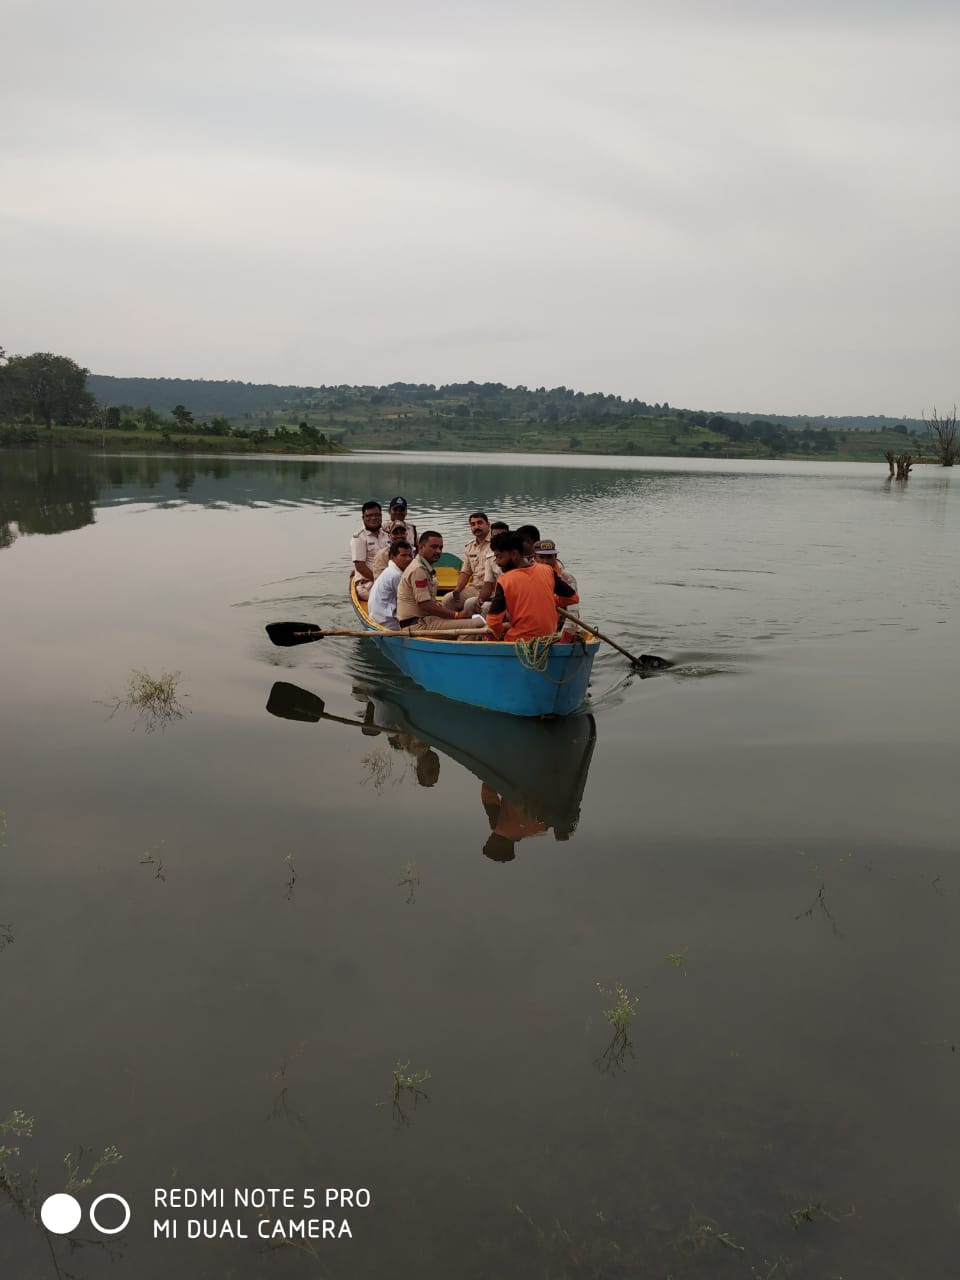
564 590
434 610
362 570
498 613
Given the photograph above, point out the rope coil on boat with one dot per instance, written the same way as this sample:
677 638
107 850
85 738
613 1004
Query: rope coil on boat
534 654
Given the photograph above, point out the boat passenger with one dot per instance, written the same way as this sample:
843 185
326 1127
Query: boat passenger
382 602
417 605
397 511
365 544
528 591
530 535
397 531
491 570
466 594
545 552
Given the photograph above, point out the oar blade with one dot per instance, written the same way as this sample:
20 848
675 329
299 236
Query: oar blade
652 662
287 634
293 703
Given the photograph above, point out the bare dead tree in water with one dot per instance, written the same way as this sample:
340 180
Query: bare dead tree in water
942 433
899 464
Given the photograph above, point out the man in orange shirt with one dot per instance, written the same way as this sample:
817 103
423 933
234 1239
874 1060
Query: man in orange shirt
527 592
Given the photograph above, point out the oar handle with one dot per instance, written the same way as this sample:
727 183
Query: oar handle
645 660
288 634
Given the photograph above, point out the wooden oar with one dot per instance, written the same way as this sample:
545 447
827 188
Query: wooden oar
647 661
293 703
287 634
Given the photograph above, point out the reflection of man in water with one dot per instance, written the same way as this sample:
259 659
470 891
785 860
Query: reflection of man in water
428 762
508 824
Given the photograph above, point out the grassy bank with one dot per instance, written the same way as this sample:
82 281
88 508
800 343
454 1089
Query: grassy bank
116 441
401 430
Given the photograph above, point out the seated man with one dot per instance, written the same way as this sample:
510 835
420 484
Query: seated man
491 570
365 544
382 601
397 514
417 606
466 594
396 532
545 552
530 535
529 592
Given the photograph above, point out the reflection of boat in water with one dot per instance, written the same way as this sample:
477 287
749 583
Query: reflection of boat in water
489 674
532 773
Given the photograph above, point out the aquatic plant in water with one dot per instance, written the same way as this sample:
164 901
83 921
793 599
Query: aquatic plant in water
623 1010
406 1089
154 698
619 1016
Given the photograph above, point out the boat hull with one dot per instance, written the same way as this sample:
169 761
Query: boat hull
490 674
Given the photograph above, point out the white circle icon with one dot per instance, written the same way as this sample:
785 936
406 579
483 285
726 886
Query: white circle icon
60 1213
110 1231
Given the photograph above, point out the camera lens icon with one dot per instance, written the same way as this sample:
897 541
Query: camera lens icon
61 1214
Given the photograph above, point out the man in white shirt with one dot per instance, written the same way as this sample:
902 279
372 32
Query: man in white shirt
382 601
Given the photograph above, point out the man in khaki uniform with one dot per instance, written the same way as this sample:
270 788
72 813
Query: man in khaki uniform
417 607
365 544
398 533
397 512
466 593
491 570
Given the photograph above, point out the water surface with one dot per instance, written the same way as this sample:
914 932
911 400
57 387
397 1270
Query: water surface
219 935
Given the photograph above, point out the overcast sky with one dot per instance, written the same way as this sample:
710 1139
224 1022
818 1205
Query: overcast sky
743 205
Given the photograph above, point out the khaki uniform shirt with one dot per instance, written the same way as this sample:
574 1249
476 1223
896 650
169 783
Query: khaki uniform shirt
418 584
491 570
380 561
475 559
365 545
411 534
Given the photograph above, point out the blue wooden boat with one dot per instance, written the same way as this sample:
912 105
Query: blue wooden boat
490 674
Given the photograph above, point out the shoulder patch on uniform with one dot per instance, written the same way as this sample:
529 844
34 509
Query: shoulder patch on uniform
420 582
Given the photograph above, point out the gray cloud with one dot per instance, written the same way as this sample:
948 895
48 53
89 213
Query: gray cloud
727 205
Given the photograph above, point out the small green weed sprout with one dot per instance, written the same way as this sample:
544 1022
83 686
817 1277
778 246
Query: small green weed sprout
17 1125
619 1016
154 698
810 1212
407 1081
109 1156
623 1010
677 958
21 1193
406 1089
410 880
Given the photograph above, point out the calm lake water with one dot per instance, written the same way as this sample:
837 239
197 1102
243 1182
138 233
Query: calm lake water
220 934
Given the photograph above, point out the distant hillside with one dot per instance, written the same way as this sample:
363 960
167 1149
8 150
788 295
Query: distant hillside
203 398
480 417
855 422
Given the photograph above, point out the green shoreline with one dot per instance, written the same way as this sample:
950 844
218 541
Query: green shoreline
703 443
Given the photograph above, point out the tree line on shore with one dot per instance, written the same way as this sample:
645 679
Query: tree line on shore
40 389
